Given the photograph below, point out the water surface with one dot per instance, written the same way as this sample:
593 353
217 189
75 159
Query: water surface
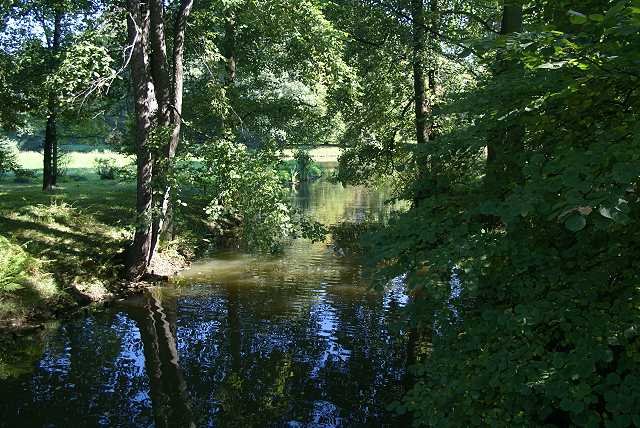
294 340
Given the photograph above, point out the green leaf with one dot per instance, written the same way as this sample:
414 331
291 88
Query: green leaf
596 17
575 223
577 18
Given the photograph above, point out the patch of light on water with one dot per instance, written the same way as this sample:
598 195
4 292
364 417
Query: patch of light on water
325 414
395 294
328 325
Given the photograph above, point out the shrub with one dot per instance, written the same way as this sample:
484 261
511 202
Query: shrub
306 167
8 160
106 168
24 176
63 162
13 264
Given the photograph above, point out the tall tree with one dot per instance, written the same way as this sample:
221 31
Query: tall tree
50 147
505 144
158 95
38 34
418 47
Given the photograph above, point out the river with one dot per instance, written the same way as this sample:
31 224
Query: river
297 339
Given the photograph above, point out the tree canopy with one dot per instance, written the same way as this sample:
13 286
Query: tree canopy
510 126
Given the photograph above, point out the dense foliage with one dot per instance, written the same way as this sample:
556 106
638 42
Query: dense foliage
546 328
511 126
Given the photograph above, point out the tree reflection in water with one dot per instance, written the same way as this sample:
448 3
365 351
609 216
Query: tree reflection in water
295 340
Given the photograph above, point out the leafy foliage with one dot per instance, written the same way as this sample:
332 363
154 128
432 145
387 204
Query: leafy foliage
240 192
106 168
14 262
8 160
547 326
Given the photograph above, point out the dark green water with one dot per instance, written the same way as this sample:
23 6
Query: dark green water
294 340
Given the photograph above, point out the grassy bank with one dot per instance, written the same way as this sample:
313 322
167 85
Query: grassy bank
65 249
60 249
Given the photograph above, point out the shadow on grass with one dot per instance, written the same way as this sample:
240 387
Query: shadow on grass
78 233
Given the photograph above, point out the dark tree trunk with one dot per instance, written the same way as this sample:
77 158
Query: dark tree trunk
50 147
49 141
425 93
172 117
230 46
420 100
506 143
139 254
432 73
158 99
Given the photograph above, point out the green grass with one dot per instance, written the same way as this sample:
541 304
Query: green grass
70 243
76 160
85 160
66 247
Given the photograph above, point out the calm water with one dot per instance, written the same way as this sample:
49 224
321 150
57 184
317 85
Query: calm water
294 340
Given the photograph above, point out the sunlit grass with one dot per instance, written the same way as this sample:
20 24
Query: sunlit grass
75 160
73 239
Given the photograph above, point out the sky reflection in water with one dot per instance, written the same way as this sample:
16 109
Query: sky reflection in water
295 340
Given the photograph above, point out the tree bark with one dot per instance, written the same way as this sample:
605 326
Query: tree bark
230 46
173 117
420 101
160 74
50 147
158 100
49 141
432 72
139 254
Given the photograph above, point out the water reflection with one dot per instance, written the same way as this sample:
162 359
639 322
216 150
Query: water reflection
295 340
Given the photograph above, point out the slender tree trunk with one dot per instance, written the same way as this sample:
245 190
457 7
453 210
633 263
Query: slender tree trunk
432 72
229 52
420 100
145 109
506 142
50 148
171 118
49 141
425 92
230 46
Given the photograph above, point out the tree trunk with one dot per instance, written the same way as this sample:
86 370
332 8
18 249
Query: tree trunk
432 72
425 93
420 101
172 119
160 74
506 142
50 148
49 141
230 45
158 99
139 254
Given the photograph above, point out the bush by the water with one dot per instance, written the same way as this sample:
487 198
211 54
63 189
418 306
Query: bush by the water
301 168
24 176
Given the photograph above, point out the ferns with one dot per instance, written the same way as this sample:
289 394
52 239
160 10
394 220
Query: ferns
13 264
